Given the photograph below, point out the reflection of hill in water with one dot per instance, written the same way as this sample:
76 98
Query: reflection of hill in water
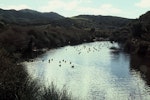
141 64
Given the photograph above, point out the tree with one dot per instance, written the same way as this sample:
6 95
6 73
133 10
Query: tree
1 25
92 30
137 29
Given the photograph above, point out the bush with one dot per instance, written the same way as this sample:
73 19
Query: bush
15 84
11 76
51 93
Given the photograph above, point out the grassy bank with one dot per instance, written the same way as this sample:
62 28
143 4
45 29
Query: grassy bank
15 84
17 43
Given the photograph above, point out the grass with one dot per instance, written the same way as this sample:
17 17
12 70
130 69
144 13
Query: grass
52 93
15 84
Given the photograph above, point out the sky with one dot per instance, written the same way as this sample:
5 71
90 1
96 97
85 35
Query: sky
69 8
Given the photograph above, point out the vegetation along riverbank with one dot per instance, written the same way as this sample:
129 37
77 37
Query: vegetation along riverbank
26 33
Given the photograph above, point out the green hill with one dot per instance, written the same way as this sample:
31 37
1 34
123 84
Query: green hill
27 16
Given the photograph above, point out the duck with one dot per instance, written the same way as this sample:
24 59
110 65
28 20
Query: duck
72 66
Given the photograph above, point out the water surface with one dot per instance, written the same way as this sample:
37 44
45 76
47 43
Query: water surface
91 71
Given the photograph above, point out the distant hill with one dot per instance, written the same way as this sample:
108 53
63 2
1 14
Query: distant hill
91 21
27 16
103 22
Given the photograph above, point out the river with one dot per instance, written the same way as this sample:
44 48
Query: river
93 71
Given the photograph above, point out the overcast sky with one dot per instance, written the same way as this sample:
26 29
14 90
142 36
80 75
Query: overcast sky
68 8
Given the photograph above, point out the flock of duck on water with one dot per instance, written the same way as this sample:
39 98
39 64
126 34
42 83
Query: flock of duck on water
79 51
63 61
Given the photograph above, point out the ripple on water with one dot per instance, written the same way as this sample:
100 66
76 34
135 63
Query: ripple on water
91 72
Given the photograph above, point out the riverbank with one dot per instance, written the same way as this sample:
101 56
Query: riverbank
96 66
23 43
16 84
20 85
19 43
136 46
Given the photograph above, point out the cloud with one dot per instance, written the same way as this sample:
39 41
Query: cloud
143 4
85 1
78 6
105 9
16 7
58 4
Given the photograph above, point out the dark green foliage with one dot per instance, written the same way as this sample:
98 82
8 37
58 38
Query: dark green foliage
141 27
11 76
137 29
26 16
1 25
142 49
16 85
92 30
31 17
100 22
145 21
139 43
14 39
121 35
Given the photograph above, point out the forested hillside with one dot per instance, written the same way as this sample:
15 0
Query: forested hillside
135 35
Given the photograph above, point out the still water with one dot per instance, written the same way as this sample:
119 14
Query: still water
92 71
